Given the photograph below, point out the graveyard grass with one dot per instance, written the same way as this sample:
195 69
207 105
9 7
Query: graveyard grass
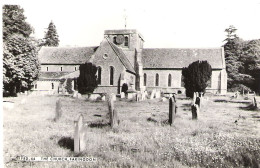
226 134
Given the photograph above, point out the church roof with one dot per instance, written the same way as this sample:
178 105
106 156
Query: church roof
65 55
121 55
181 57
52 75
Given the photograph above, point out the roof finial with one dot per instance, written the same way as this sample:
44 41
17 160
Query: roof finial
125 16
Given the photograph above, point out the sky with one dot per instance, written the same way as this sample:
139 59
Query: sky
163 23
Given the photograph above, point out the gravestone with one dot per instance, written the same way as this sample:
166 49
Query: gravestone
79 135
198 101
103 98
194 97
254 102
171 110
157 94
122 95
79 96
75 94
58 110
112 112
163 99
195 111
152 94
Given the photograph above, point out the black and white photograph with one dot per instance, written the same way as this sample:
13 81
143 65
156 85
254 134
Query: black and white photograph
120 83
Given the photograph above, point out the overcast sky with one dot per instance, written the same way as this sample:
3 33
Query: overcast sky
163 23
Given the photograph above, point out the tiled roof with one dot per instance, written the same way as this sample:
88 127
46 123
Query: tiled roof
181 57
65 55
52 75
121 55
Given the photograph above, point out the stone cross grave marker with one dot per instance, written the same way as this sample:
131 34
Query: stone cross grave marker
79 135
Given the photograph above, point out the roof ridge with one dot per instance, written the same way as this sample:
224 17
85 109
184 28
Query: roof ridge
113 47
188 48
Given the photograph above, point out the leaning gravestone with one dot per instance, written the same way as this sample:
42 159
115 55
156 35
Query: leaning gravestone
254 102
198 101
79 135
195 111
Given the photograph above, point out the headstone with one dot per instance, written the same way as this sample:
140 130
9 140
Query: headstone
75 93
103 98
171 111
194 97
254 102
58 110
195 111
79 135
79 95
157 94
112 112
163 99
198 101
122 95
152 94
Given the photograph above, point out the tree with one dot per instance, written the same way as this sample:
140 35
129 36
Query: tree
14 22
20 62
51 36
196 76
87 80
233 50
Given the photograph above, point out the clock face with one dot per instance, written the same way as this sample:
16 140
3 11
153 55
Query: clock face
120 39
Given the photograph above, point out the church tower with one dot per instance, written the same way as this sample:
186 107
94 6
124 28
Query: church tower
131 42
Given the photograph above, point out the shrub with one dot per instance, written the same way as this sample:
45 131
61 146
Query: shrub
196 76
87 80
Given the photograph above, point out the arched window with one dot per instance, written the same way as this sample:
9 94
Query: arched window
60 68
111 75
114 40
99 75
126 41
169 80
47 68
52 85
145 78
157 79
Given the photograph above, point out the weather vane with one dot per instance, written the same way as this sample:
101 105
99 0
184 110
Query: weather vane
125 16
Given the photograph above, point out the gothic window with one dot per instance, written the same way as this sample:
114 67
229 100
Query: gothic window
126 41
111 75
157 79
99 75
145 78
209 83
52 85
60 68
169 80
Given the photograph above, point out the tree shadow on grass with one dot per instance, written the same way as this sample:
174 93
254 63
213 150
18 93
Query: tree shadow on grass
66 142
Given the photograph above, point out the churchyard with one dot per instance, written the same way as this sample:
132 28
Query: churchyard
226 132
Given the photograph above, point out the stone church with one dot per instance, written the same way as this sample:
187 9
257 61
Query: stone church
122 60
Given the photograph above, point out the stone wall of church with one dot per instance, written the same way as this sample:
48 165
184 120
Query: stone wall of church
176 81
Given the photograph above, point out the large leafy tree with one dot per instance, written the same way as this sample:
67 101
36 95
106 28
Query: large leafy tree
87 80
196 77
51 36
20 62
242 61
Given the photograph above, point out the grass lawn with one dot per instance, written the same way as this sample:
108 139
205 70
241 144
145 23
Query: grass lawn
226 134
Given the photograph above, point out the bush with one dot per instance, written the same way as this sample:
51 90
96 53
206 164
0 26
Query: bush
87 80
196 76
